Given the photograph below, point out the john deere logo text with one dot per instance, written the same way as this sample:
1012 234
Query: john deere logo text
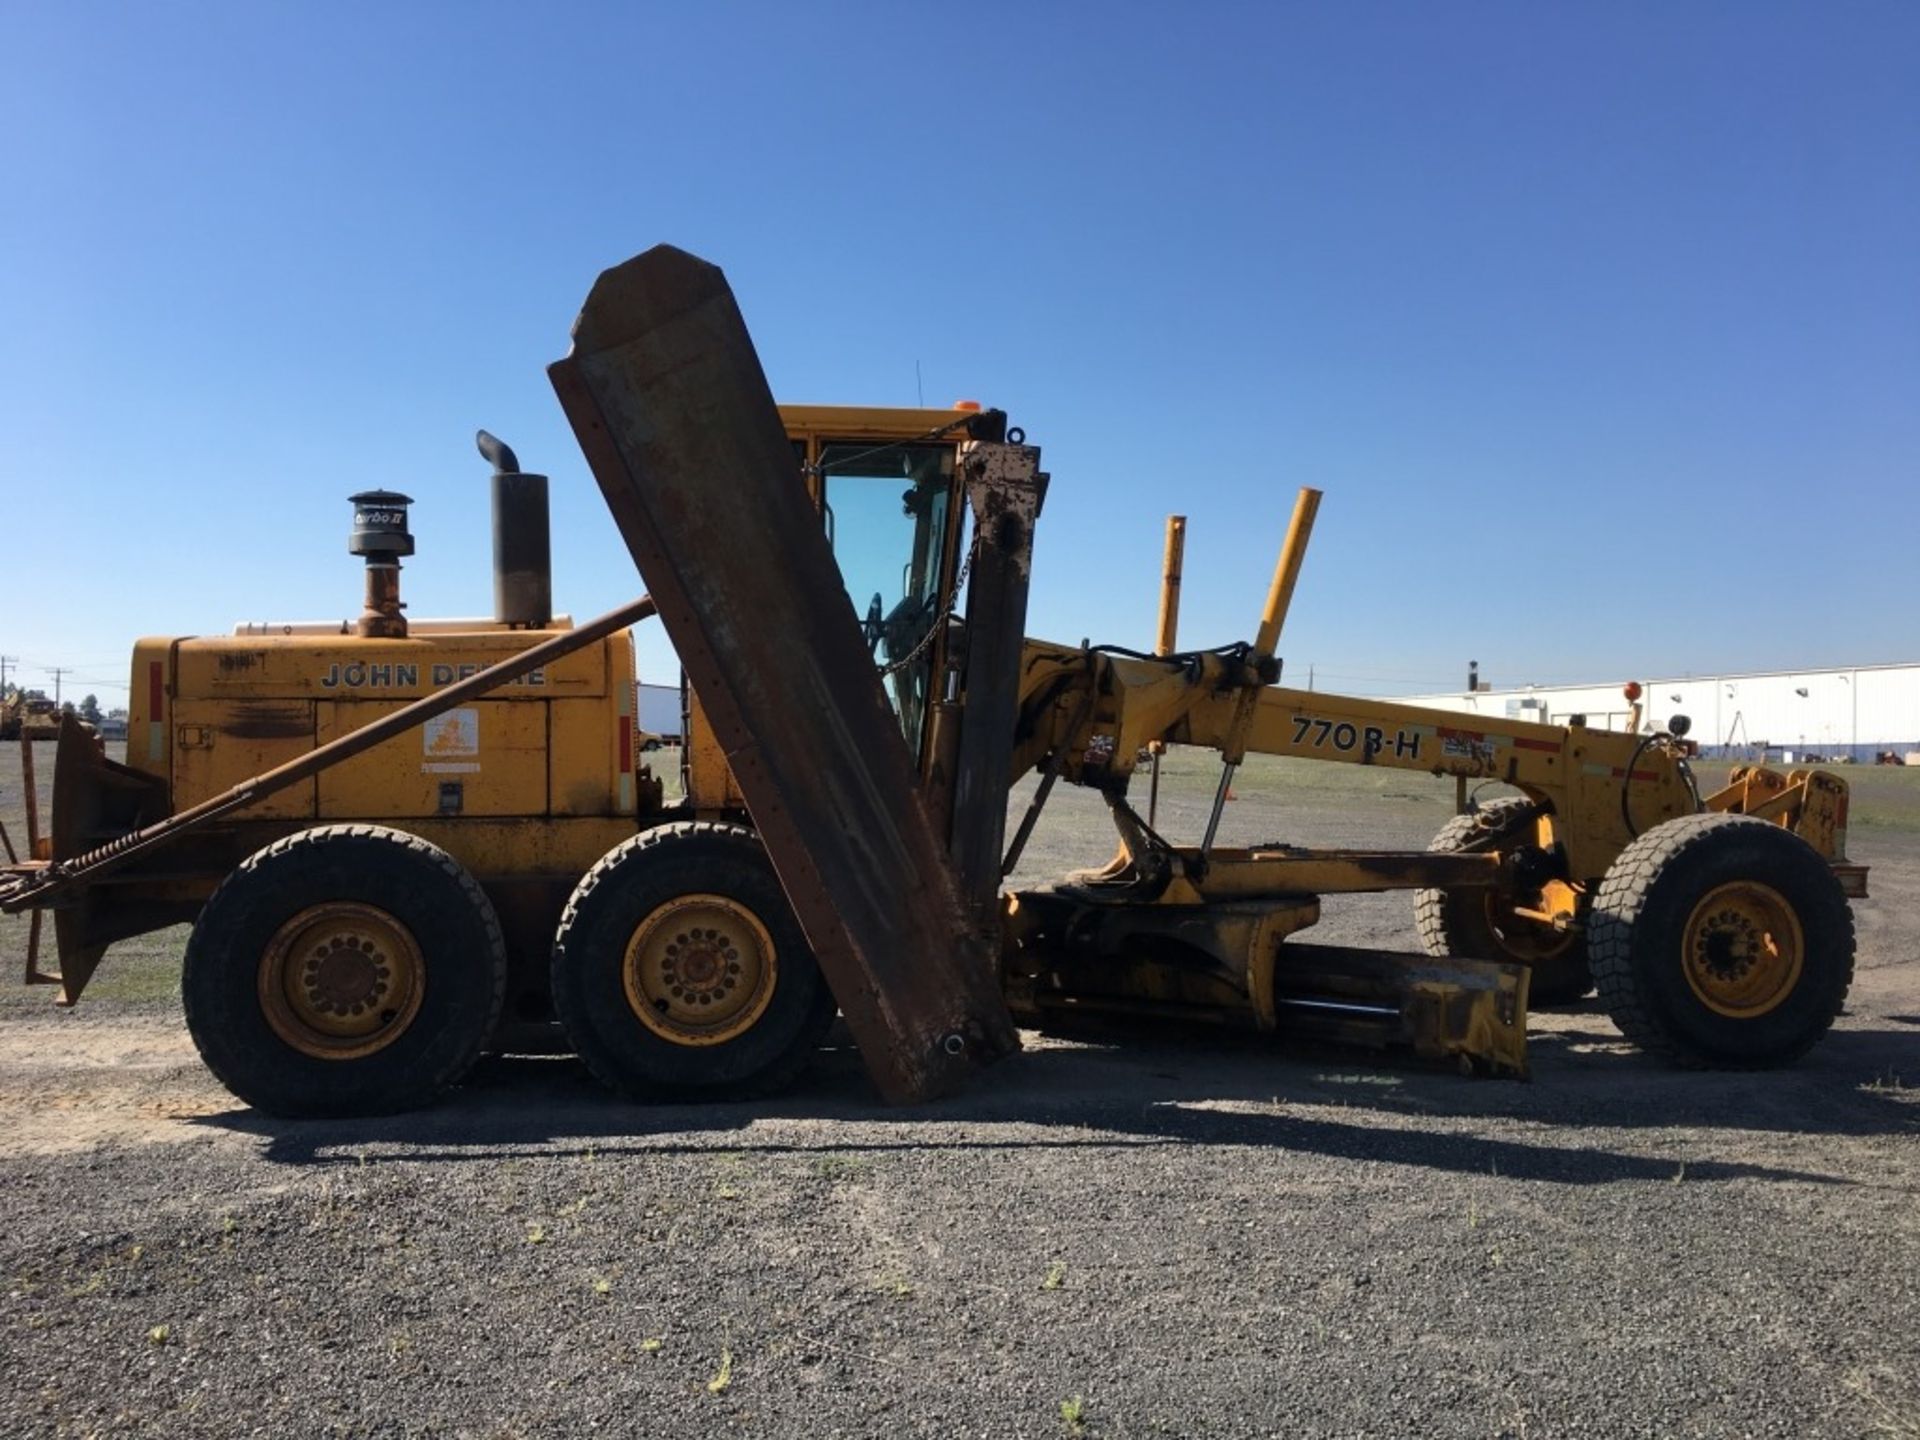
358 675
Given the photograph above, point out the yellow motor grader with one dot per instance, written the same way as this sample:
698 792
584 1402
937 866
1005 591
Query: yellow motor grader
389 834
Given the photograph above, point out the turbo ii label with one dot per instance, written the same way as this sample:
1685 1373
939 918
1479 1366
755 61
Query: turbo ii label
1313 733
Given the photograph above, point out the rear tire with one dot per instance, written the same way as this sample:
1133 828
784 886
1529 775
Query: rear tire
1722 941
1475 924
680 972
345 970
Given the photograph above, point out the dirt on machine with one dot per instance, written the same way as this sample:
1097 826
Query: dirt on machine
402 842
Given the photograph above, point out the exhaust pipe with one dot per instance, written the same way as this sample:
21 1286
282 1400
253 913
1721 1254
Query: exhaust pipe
522 557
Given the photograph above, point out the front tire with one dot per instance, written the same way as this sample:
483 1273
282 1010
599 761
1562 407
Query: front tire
680 972
1722 941
344 970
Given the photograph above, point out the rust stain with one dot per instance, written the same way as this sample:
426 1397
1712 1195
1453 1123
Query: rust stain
269 720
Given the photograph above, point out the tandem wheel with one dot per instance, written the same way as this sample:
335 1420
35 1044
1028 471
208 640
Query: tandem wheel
344 970
680 972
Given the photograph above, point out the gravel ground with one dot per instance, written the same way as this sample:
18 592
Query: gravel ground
1156 1234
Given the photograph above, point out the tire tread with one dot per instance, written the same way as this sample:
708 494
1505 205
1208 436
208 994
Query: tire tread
319 839
770 1081
1623 897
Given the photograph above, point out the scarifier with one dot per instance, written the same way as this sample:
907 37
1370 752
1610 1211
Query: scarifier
402 843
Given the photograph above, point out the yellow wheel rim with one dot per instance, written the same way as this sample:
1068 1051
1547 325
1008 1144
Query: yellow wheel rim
1744 950
342 980
700 970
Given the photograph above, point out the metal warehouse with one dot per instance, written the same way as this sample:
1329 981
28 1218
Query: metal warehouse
1841 712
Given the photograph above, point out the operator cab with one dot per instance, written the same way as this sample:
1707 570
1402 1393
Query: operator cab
886 482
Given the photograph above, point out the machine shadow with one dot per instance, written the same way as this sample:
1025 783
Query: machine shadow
1195 1089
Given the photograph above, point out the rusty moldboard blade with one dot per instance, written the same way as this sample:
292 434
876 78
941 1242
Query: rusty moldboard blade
666 396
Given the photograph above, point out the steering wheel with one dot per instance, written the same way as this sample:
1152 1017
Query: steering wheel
907 625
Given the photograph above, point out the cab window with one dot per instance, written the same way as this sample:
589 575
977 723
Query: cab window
885 508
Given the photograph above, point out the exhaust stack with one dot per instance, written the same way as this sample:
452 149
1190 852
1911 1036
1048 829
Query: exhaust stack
522 558
380 534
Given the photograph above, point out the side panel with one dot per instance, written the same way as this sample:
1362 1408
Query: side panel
488 758
584 774
710 784
218 743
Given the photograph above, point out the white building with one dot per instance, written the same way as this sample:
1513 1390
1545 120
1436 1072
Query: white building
1789 714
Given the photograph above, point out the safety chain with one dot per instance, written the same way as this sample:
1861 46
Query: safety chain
940 615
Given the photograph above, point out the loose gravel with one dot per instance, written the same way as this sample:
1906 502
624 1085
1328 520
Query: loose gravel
1144 1233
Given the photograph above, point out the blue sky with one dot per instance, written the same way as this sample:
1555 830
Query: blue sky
1599 325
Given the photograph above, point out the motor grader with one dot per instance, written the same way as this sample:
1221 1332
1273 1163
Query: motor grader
389 835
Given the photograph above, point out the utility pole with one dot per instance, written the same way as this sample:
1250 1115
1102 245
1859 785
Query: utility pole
6 660
57 671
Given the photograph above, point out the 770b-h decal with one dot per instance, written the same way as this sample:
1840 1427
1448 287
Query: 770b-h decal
1343 735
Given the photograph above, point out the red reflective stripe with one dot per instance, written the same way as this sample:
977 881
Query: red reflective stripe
626 744
156 689
1522 743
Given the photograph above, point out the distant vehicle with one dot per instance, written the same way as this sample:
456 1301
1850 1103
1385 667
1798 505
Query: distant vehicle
29 715
657 712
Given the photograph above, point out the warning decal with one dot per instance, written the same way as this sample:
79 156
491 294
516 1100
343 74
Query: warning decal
452 743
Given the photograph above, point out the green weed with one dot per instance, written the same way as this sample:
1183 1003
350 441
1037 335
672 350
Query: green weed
838 1167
